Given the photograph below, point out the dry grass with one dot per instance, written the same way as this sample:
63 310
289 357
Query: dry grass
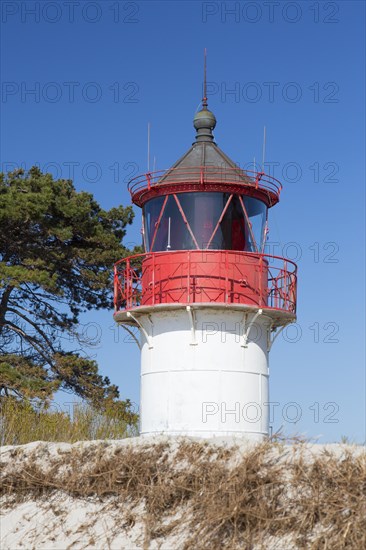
21 423
223 497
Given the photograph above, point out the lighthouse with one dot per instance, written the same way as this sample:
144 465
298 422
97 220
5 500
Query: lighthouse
206 298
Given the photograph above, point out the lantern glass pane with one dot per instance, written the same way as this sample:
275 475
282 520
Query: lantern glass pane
202 212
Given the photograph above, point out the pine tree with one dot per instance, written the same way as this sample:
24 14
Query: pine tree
57 249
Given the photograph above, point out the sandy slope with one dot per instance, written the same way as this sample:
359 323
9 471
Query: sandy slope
59 521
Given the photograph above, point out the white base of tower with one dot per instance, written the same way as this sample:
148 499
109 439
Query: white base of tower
204 372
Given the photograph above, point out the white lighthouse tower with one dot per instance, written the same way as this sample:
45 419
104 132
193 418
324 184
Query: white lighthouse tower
207 300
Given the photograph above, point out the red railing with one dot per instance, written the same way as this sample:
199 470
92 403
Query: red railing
201 175
205 276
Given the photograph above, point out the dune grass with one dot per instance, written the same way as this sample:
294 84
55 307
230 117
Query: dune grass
21 422
220 497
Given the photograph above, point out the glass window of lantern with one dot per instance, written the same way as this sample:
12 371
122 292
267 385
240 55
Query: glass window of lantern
151 215
233 227
257 213
203 211
171 233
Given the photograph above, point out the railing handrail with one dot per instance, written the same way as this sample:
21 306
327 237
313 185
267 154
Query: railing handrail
278 293
205 174
209 251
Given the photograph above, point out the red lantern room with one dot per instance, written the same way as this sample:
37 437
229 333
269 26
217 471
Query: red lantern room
204 233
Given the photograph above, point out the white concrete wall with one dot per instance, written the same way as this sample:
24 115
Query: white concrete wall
206 382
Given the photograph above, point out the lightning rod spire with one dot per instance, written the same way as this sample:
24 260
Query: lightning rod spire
204 99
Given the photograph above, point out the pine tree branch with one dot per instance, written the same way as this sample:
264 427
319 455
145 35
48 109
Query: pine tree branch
36 327
32 341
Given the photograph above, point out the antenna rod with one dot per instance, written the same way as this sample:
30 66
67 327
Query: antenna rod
204 99
168 246
264 147
148 146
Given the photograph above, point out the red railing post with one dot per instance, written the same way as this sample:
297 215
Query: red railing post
188 296
153 281
226 277
260 281
285 287
148 179
115 288
275 283
127 283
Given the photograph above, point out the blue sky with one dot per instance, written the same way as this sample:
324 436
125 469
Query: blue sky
100 71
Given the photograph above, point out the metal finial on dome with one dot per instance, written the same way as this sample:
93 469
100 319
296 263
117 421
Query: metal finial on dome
204 121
